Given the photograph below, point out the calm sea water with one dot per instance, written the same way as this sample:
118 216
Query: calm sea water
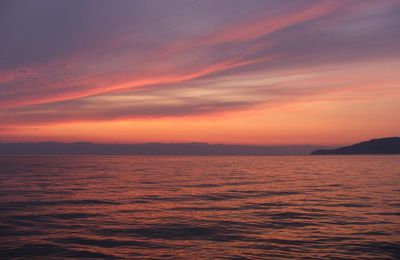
200 207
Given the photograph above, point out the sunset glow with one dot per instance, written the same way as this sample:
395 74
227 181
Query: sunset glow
246 72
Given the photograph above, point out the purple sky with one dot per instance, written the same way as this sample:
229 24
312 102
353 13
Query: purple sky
82 62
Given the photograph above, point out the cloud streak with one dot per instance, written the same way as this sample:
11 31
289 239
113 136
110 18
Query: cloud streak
219 95
152 59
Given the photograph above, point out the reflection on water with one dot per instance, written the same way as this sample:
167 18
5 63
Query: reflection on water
200 207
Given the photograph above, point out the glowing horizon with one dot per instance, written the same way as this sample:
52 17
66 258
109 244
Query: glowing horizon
234 72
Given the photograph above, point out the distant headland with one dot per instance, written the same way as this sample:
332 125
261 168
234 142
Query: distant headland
84 148
389 145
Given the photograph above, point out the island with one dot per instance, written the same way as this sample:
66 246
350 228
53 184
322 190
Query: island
388 145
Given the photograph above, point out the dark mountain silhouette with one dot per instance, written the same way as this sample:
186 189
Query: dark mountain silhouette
81 148
389 145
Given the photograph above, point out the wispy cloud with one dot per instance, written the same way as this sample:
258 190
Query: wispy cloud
220 95
182 58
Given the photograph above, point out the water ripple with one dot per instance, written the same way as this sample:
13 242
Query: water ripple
200 207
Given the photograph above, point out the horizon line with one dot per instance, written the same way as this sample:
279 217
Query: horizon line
167 143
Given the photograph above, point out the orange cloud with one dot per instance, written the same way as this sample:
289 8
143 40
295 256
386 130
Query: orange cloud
93 83
286 75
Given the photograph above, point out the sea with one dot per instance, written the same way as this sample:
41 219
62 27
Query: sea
200 207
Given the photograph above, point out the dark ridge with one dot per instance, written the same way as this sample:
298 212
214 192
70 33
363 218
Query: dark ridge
388 145
83 148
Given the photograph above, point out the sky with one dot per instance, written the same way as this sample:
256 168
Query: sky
265 72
